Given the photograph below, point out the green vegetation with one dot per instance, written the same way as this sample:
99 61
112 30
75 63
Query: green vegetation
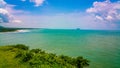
3 29
19 56
8 29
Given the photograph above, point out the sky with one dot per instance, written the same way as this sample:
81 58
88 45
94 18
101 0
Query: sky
61 14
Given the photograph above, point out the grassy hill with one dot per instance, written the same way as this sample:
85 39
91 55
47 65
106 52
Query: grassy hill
19 56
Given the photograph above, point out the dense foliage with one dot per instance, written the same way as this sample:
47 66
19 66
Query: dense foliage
2 29
36 58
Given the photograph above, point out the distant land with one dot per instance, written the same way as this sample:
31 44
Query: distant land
8 29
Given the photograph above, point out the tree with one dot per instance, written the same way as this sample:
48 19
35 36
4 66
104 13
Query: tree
21 46
81 62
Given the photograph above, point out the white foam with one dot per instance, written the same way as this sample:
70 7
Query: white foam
22 31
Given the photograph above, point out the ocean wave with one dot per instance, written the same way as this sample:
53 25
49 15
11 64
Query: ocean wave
22 31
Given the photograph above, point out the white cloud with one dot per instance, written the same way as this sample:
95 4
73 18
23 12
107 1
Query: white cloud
5 12
98 17
109 18
23 0
16 21
5 16
105 11
37 2
2 3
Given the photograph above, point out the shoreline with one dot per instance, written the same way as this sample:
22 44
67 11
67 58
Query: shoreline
16 31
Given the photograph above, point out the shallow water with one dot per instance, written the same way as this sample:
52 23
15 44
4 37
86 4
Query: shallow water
102 48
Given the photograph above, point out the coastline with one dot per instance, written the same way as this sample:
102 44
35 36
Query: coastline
16 31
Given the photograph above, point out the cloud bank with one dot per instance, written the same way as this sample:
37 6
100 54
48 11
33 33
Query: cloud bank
105 12
5 15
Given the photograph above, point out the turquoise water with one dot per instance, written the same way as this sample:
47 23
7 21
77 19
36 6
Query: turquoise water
102 48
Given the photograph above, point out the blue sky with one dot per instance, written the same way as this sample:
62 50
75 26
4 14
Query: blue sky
57 6
61 14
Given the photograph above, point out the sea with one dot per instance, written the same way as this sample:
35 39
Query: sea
101 47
